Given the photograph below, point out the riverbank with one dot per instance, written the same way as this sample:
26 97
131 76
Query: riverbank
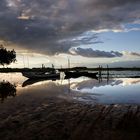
58 119
47 69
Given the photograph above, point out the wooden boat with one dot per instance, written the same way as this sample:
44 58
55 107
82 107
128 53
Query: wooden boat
41 75
76 74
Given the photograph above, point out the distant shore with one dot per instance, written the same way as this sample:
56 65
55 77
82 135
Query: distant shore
56 119
68 69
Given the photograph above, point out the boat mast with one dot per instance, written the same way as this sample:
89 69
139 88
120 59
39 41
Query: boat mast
68 63
28 60
23 61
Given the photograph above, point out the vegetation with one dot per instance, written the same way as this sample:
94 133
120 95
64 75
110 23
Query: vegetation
7 89
6 70
6 56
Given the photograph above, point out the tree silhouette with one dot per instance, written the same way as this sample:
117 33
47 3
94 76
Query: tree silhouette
6 56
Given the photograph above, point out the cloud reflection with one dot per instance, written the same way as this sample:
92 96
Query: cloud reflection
81 89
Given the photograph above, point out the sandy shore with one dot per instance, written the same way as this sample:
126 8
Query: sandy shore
57 119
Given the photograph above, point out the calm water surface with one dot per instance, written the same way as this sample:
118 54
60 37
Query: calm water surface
111 91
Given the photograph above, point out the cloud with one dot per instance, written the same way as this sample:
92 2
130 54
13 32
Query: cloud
89 52
137 54
133 63
85 38
56 26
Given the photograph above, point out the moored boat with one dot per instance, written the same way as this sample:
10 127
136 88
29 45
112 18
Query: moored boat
76 74
40 75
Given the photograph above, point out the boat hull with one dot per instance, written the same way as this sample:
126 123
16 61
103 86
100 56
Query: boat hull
36 75
79 74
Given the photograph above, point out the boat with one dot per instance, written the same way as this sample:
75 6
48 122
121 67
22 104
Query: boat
76 74
41 75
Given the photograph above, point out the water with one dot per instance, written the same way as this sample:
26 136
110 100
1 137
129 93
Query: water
121 74
105 91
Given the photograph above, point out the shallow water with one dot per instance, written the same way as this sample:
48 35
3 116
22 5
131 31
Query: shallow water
92 91
121 74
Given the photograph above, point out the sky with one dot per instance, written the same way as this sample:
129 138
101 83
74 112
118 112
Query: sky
88 32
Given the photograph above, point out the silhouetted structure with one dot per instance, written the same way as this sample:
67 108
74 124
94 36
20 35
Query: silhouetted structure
100 73
6 56
107 73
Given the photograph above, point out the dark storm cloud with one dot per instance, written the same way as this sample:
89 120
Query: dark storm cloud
55 26
95 53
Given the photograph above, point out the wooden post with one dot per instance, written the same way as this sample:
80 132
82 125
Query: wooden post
100 74
107 70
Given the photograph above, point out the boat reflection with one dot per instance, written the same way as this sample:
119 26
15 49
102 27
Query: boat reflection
85 82
7 89
33 81
112 90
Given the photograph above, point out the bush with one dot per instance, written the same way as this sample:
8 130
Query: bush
7 89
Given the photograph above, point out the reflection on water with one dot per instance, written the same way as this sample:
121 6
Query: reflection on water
106 91
13 78
122 74
7 89
115 91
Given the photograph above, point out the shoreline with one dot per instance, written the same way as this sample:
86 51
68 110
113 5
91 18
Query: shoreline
47 69
59 119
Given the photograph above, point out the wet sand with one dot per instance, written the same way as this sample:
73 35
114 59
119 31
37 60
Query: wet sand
58 119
